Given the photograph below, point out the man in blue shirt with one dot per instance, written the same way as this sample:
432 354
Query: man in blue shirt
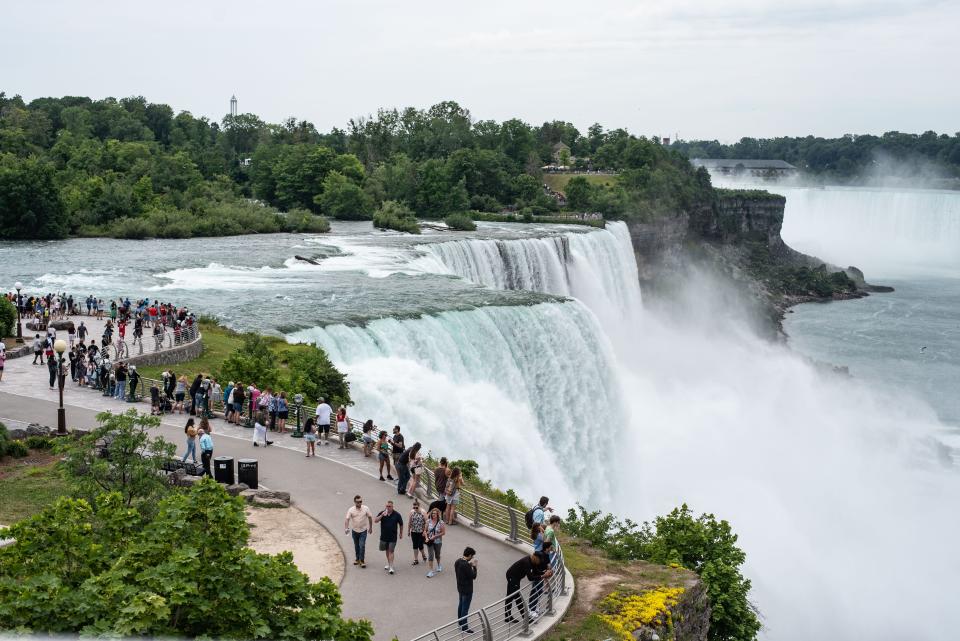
206 451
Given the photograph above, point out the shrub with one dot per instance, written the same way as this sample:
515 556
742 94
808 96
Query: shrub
16 449
304 221
8 317
467 467
39 442
394 215
461 221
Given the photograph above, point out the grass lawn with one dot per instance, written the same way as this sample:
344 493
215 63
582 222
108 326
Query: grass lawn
558 182
218 343
26 489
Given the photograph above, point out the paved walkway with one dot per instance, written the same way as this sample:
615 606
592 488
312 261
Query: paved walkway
404 605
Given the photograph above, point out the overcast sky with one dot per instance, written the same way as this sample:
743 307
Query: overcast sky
704 68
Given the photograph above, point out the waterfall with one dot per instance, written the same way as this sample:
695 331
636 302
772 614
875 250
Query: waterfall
596 267
527 391
884 232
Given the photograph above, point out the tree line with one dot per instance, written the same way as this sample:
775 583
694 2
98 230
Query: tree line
846 158
131 168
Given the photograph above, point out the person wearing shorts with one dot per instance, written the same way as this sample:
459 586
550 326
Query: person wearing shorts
391 528
434 531
323 420
310 436
416 522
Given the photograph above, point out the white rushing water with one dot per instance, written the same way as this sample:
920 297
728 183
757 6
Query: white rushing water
838 492
885 232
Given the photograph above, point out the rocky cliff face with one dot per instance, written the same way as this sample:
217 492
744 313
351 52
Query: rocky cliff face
737 238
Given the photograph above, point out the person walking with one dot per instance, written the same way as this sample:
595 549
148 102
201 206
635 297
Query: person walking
343 425
391 528
435 530
358 523
191 433
3 358
52 369
37 349
310 436
383 454
403 467
206 452
323 413
465 569
416 524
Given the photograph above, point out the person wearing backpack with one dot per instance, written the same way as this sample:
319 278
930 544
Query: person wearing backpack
537 514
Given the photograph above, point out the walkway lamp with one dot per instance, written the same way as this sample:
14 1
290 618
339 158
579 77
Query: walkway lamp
18 286
60 346
249 422
298 402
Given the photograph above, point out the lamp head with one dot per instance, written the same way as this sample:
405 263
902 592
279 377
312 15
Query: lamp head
18 285
298 398
60 346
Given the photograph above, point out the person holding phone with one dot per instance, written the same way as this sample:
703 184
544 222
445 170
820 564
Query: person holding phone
466 570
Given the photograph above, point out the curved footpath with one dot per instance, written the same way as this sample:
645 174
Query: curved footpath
405 605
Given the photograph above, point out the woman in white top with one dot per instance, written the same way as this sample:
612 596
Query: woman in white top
260 430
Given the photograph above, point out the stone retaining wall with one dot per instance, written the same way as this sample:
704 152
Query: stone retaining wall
178 354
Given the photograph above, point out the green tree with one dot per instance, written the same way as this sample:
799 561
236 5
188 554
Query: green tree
185 573
397 216
30 205
252 362
344 199
118 456
579 194
8 317
310 372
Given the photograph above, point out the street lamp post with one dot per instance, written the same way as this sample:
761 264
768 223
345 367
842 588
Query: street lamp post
298 401
60 346
18 286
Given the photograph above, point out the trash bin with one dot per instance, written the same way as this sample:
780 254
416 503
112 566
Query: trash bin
223 469
247 472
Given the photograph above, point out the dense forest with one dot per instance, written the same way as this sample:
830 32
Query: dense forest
849 158
129 168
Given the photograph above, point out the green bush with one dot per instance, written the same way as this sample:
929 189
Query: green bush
16 449
462 222
397 216
304 221
8 317
99 569
467 467
701 544
39 442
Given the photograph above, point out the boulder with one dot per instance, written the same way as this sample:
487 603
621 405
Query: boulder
237 488
35 429
188 481
61 324
35 326
16 433
261 501
247 495
272 494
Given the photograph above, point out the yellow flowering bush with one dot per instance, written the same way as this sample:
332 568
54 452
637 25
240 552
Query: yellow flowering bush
628 612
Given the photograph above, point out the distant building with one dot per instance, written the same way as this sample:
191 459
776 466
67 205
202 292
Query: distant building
746 167
233 106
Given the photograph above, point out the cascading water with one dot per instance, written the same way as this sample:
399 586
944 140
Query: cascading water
821 476
596 267
524 390
885 232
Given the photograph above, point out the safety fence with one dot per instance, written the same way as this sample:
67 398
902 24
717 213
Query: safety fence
513 615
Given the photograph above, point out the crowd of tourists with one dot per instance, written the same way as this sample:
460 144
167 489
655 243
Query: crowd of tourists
269 410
